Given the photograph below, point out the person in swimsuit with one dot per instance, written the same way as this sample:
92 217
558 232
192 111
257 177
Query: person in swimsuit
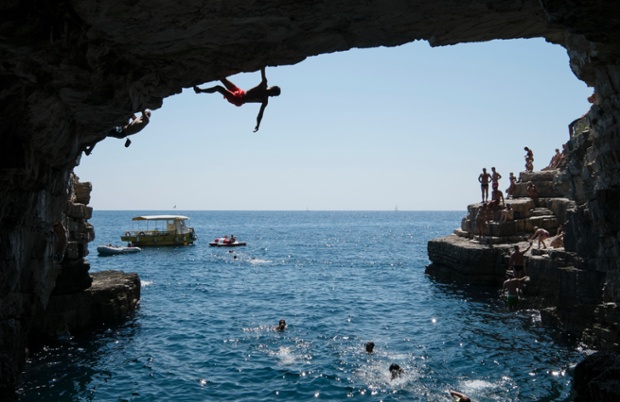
511 289
484 184
516 262
541 235
513 185
237 96
495 179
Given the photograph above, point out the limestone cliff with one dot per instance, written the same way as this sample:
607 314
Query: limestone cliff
69 70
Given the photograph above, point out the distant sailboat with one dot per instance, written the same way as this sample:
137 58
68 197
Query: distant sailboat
396 208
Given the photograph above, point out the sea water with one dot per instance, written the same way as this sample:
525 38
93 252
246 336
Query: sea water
204 330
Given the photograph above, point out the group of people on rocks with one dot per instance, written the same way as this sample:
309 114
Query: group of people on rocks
512 286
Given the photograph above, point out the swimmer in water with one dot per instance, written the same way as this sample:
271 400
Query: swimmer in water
370 346
459 397
396 370
281 325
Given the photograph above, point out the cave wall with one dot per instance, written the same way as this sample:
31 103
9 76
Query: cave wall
70 69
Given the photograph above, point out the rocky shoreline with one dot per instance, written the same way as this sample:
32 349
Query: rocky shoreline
566 285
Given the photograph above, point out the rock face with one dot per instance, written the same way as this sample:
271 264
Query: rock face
71 70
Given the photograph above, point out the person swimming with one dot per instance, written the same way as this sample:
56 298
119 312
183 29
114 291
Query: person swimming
370 346
396 370
281 325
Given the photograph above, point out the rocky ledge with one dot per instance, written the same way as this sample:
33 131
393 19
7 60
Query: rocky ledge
111 299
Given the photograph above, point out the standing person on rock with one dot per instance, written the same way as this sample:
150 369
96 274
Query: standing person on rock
495 176
529 160
237 96
481 220
484 184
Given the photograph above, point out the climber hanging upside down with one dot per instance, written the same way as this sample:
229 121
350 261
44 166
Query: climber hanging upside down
236 96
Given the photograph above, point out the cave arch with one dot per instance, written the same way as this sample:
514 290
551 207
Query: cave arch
69 71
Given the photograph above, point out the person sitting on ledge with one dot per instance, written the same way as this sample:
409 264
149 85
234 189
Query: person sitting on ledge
558 240
237 96
507 214
497 198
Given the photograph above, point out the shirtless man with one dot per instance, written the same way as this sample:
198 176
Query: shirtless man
497 198
541 235
396 370
135 125
495 179
484 184
236 96
516 262
511 290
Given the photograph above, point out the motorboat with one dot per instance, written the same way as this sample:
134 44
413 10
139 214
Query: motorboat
160 230
226 242
115 250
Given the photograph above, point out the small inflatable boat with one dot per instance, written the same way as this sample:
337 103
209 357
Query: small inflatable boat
226 242
115 250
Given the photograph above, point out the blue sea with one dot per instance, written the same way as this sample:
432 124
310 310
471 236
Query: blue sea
205 327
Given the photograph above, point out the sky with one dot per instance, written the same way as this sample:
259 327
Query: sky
407 127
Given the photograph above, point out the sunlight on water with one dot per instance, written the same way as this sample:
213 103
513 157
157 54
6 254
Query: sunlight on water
205 327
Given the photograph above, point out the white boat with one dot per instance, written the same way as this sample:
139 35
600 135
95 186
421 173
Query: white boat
226 242
115 250
160 230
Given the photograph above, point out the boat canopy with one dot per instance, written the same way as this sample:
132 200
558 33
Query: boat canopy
160 218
